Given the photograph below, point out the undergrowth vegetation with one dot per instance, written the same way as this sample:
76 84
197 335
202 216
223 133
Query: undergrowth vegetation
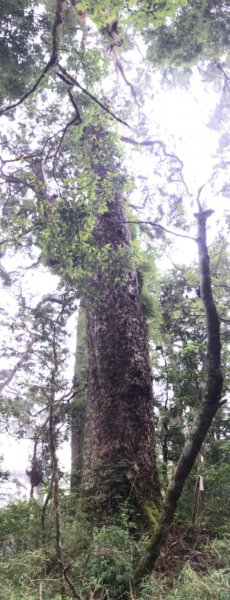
100 563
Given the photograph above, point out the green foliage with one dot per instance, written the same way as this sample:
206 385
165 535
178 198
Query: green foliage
149 16
19 48
142 13
216 503
178 359
212 586
94 65
102 561
20 574
201 28
64 229
212 505
19 527
215 585
110 564
219 550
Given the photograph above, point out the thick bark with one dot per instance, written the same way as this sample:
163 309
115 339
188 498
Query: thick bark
78 404
210 404
120 460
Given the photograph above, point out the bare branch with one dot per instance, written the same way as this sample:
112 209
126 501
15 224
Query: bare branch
226 77
91 96
64 131
76 120
162 145
157 225
119 66
221 285
18 181
198 196
56 32
70 583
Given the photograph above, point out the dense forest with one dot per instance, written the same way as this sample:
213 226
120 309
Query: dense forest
114 238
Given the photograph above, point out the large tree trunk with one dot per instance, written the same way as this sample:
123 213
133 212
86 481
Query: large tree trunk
120 425
119 462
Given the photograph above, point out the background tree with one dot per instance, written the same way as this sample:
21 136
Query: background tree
78 407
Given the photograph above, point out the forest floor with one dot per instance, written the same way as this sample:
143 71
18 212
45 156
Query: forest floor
184 545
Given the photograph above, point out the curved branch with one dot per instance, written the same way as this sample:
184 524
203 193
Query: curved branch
162 145
157 225
209 407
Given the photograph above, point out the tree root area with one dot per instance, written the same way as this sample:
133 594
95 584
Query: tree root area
184 545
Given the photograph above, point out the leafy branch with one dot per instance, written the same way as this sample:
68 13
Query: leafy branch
56 37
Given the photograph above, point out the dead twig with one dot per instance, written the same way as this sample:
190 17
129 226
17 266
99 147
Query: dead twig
162 146
157 225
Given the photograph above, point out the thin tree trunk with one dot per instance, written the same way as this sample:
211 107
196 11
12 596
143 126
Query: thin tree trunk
79 403
210 405
54 463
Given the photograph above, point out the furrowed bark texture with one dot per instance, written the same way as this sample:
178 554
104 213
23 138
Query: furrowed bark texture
214 383
119 436
120 402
